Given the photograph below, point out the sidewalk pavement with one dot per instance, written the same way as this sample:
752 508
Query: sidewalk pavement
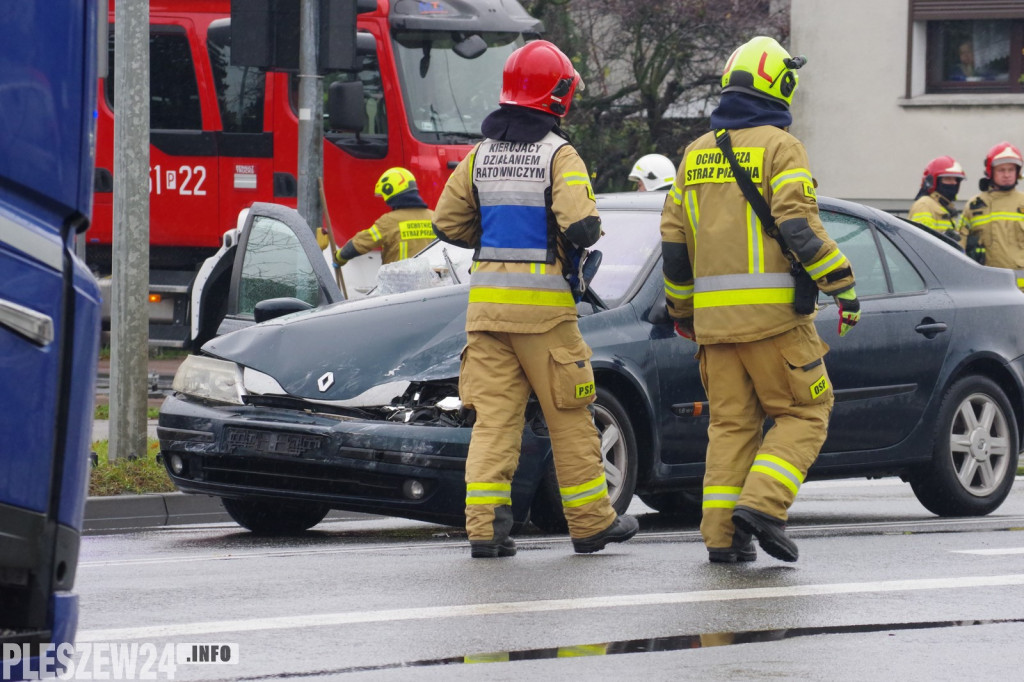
124 512
119 513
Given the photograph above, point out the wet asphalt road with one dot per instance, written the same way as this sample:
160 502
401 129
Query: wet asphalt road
883 590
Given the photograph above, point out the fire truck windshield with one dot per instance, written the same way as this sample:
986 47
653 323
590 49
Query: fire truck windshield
447 96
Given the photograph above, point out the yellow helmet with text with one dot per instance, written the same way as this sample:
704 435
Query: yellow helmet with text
393 182
764 68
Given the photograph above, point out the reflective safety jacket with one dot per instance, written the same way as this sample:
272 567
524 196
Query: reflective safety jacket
509 201
721 268
937 212
399 234
993 221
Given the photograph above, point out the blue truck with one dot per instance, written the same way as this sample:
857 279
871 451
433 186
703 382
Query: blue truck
49 320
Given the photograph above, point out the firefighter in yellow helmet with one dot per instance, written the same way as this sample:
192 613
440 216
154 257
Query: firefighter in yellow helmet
992 226
760 355
522 199
399 234
933 207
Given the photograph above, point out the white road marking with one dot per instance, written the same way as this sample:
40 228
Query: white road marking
505 608
991 552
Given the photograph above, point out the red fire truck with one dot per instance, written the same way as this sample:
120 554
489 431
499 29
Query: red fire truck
223 136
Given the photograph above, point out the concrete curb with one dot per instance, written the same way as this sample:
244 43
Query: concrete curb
120 512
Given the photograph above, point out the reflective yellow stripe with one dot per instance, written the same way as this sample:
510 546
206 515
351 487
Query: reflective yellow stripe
755 245
926 219
582 650
719 299
692 210
993 217
521 297
539 268
495 657
375 233
792 175
579 495
779 469
682 292
720 496
676 194
488 493
403 250
576 178
831 261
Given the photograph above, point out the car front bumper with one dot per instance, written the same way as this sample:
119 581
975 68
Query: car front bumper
352 464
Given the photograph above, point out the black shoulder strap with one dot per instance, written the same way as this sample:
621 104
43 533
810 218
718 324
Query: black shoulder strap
753 197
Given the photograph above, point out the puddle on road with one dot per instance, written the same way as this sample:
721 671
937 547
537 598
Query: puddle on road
670 643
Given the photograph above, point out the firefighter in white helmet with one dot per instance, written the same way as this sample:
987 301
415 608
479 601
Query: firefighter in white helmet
653 172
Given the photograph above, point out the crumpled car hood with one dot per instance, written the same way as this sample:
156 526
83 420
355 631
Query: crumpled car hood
414 336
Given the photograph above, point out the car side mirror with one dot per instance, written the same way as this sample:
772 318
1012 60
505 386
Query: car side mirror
346 109
273 308
659 314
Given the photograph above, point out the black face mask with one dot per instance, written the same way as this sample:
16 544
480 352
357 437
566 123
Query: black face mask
948 191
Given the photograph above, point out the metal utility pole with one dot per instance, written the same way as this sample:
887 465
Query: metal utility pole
311 114
129 323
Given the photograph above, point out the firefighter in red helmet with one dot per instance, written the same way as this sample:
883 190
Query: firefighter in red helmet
933 206
522 199
992 226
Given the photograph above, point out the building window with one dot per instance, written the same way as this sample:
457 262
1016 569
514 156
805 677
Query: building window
966 47
974 56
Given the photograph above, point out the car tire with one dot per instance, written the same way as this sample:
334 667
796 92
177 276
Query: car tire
273 517
680 505
974 460
620 455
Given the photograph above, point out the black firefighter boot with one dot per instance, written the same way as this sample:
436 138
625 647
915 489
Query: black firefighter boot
742 549
621 529
769 531
501 545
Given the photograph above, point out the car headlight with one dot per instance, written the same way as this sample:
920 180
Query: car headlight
209 379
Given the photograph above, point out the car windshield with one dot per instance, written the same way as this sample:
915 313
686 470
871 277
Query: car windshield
448 96
630 240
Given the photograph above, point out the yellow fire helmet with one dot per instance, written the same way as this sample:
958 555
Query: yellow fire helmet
394 181
762 67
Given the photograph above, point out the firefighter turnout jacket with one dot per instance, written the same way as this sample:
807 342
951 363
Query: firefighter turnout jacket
399 234
721 268
510 201
515 203
992 230
936 212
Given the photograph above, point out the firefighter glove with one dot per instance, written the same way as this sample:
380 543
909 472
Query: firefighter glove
975 249
849 310
322 240
685 329
338 260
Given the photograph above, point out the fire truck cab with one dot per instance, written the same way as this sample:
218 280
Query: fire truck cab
224 136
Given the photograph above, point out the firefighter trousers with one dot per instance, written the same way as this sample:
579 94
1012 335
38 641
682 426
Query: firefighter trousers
499 371
782 377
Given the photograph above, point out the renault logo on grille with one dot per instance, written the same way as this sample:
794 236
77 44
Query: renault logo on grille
326 381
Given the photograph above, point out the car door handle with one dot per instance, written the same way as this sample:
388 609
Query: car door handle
36 327
931 329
